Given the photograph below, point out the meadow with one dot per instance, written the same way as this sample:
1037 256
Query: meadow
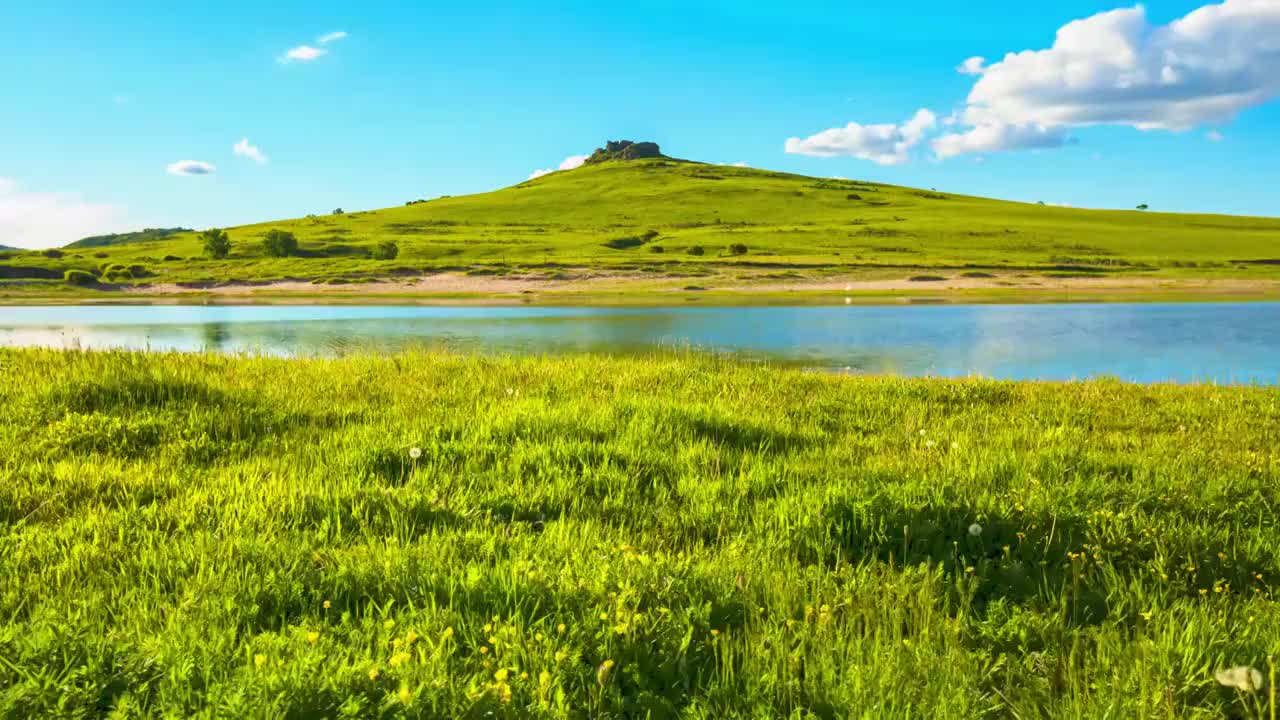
437 535
659 225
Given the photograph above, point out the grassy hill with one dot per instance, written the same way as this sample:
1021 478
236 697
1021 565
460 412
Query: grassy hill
667 218
126 238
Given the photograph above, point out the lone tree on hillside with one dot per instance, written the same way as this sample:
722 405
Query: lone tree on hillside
217 244
279 243
1143 206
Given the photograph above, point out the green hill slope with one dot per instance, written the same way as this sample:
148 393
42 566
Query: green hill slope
126 238
664 216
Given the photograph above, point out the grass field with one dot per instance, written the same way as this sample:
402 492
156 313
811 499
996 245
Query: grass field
658 225
208 536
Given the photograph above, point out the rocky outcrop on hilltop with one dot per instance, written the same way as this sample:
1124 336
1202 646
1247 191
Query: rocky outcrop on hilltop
625 150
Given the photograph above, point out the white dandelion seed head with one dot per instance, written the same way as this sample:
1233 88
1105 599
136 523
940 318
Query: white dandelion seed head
955 445
921 432
1241 677
415 453
975 530
929 443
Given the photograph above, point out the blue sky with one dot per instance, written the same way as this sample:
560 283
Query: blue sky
426 99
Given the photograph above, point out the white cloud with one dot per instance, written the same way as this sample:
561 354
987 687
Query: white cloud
972 66
303 53
331 37
569 163
49 219
244 149
1116 68
994 138
1214 136
190 167
885 144
741 164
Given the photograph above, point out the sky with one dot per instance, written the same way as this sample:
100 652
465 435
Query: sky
123 115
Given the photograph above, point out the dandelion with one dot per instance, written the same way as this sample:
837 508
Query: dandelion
327 604
484 650
448 633
373 673
405 694
312 637
560 628
389 624
399 659
544 679
1241 677
501 675
975 530
415 453
410 637
561 655
259 660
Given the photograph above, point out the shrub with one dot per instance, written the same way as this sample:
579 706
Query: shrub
386 250
52 253
79 277
737 249
172 258
697 250
279 243
649 235
337 211
853 196
656 249
217 244
100 255
139 271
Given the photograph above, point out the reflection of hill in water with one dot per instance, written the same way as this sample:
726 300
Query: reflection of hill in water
1185 342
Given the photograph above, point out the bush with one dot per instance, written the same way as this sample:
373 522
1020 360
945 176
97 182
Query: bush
656 249
386 250
853 196
624 243
100 255
172 258
52 253
697 250
649 235
279 243
337 211
79 277
737 249
217 244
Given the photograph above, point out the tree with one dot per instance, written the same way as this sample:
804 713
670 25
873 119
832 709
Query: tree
279 243
217 244
337 211
386 250
1143 206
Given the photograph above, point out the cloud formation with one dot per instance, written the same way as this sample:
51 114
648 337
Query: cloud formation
1116 68
190 167
569 163
38 220
244 149
303 53
885 144
331 37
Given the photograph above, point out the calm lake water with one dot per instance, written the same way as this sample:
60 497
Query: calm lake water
1183 342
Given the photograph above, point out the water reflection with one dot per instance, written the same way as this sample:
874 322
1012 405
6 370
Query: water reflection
1142 342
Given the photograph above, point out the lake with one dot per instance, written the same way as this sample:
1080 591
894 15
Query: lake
1147 342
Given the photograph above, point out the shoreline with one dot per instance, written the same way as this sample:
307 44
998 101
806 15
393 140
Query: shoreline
460 289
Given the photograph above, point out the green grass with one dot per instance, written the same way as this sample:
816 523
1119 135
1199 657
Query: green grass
594 217
200 536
